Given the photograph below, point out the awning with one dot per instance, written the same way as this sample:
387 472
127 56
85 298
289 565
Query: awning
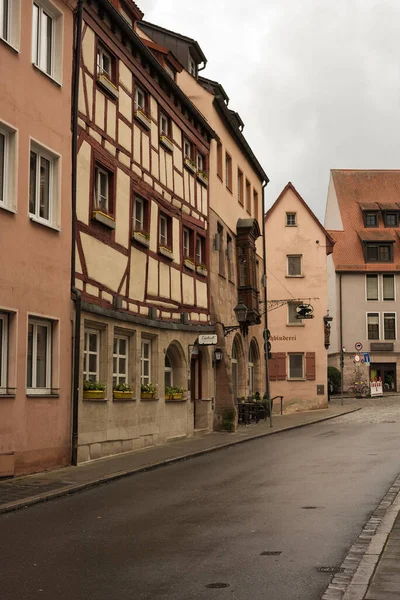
376 236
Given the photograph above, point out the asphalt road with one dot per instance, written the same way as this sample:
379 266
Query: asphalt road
169 533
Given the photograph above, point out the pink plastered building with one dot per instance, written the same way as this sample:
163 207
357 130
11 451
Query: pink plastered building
36 44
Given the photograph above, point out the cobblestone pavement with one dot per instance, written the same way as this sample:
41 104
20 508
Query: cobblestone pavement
374 410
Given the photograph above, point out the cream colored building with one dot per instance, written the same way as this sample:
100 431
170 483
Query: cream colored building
297 248
235 221
143 231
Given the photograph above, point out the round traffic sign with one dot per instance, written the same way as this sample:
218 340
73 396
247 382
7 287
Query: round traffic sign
357 358
358 346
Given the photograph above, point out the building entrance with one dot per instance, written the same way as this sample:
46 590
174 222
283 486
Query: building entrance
387 373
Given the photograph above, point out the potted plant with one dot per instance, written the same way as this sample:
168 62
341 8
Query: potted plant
189 263
202 176
122 391
93 390
190 164
147 391
143 237
174 393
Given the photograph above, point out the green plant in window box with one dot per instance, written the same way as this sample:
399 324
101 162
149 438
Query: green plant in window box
123 391
203 177
93 390
174 393
202 269
147 390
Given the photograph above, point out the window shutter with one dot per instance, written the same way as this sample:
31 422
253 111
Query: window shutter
277 366
310 365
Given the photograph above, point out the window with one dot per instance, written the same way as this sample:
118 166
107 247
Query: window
229 255
169 372
235 370
43 185
371 219
379 252
3 352
39 356
248 196
292 314
372 287
138 214
187 243
388 287
200 250
102 189
294 265
141 99
252 360
240 186
105 63
120 360
192 66
5 19
145 362
291 219
165 125
219 160
228 171
389 326
373 326
255 204
47 38
91 356
391 219
187 149
221 257
201 162
296 366
165 231
7 167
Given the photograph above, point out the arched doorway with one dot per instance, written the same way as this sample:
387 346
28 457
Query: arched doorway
175 366
235 370
254 368
238 368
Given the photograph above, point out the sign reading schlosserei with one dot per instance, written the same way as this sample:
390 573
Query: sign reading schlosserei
207 339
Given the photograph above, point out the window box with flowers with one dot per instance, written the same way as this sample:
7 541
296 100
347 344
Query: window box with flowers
148 391
93 390
189 263
142 237
174 394
167 143
104 81
202 177
103 218
142 118
167 252
201 270
189 164
123 391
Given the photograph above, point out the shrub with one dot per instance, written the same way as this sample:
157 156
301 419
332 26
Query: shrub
335 378
93 386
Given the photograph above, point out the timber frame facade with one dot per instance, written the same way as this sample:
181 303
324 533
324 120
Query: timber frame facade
142 240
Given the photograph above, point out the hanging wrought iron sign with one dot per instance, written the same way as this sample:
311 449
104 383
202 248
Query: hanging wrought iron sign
304 311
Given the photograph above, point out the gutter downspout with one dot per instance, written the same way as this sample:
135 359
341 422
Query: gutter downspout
202 68
341 339
267 385
76 295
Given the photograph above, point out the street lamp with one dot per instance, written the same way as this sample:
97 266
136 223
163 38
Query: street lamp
240 311
218 354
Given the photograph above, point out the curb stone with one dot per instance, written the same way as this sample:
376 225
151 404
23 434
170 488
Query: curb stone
363 557
75 488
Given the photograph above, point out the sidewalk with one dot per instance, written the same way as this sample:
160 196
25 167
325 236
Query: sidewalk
31 489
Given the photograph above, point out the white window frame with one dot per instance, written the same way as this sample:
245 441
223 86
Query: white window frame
187 146
98 172
164 131
240 181
143 360
87 353
101 53
288 217
138 224
301 264
54 186
4 353
290 354
392 312
35 322
45 7
186 243
373 312
9 167
139 92
11 36
200 162
366 287
394 287
199 250
296 322
117 375
192 66
163 235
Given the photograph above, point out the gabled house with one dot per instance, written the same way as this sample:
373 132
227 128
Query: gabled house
297 248
363 217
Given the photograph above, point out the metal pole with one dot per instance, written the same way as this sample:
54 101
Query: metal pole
267 383
341 340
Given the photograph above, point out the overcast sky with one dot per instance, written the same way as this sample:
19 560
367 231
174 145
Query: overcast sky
316 82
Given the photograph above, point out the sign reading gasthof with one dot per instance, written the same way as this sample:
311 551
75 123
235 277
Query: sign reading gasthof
207 339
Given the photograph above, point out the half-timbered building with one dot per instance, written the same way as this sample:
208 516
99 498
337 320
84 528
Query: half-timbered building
142 240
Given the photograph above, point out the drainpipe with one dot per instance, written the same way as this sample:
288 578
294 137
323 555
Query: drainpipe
341 339
203 67
267 385
76 295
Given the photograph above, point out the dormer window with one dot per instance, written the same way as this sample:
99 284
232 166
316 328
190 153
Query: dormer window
192 66
371 219
391 219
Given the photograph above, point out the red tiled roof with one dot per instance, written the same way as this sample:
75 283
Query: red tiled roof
369 206
355 189
389 205
366 235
